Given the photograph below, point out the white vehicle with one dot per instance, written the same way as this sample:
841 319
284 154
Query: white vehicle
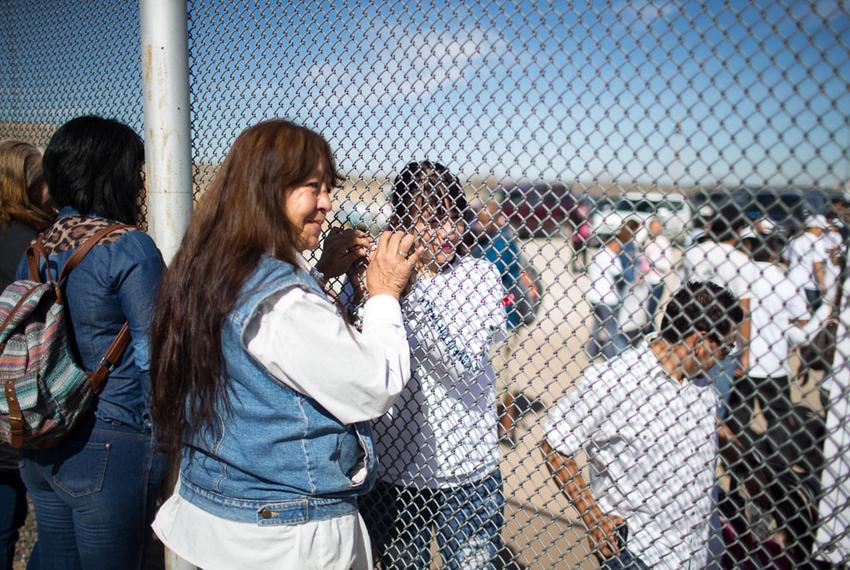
610 214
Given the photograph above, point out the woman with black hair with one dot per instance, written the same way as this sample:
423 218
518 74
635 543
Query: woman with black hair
93 491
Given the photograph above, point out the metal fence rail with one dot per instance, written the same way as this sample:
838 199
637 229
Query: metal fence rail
563 124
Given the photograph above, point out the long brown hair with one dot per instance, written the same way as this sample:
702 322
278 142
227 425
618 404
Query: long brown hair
21 185
238 219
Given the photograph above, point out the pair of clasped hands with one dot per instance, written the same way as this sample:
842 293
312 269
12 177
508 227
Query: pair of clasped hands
389 263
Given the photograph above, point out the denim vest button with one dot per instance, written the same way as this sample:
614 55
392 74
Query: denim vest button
265 513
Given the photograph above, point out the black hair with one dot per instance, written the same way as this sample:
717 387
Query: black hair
701 306
95 166
725 223
426 187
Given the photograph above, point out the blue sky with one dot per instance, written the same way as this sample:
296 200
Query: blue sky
755 92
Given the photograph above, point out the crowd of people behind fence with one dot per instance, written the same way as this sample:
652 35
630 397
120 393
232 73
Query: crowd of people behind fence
348 414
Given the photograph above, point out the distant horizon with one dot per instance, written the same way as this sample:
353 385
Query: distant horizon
674 94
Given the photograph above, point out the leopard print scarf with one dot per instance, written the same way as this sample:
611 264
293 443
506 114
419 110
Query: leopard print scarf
69 232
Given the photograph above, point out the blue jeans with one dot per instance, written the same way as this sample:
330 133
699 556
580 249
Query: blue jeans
467 520
13 513
605 336
94 496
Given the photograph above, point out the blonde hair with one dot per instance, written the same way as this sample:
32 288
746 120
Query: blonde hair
21 183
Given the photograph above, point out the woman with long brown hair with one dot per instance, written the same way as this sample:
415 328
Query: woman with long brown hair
258 381
23 213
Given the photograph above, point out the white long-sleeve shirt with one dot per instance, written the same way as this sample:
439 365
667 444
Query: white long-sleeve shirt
300 338
775 305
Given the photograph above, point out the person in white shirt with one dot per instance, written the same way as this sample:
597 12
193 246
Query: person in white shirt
659 254
648 431
608 277
807 255
258 382
717 259
779 320
438 444
833 242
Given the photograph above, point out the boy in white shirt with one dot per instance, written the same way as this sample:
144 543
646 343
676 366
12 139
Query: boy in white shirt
606 276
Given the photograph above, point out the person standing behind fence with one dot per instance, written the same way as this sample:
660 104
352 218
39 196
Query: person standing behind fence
779 320
438 445
717 259
659 253
496 244
648 431
94 491
608 276
258 380
807 255
24 211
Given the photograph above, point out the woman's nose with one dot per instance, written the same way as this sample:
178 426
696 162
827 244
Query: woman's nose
325 203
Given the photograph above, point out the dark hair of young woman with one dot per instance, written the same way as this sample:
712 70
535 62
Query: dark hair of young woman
426 188
238 219
95 165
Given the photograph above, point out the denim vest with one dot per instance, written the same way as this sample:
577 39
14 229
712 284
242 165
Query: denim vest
277 457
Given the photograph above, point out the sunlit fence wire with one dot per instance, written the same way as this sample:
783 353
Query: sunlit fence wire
563 124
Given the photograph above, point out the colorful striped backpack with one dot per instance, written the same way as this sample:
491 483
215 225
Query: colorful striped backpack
46 391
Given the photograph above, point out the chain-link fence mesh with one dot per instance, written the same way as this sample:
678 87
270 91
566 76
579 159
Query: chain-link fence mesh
564 131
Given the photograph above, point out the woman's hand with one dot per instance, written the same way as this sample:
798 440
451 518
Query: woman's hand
390 266
340 250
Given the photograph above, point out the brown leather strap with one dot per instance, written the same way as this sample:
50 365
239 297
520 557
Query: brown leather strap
85 248
36 252
16 417
110 359
32 264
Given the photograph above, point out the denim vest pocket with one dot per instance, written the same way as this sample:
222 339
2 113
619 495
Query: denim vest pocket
83 473
353 455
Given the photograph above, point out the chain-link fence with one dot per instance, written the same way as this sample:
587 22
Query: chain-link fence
570 167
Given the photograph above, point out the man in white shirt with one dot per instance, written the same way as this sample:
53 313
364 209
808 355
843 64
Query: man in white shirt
648 432
717 259
779 320
807 257
606 276
659 254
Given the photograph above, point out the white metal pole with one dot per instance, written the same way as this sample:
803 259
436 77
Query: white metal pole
168 150
168 156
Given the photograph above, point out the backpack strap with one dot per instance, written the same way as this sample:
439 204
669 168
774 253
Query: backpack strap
16 416
36 252
110 359
122 339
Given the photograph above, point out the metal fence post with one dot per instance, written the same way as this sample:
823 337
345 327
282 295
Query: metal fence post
165 77
168 147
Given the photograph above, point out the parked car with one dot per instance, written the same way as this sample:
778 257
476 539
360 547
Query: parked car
609 214
787 208
540 209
